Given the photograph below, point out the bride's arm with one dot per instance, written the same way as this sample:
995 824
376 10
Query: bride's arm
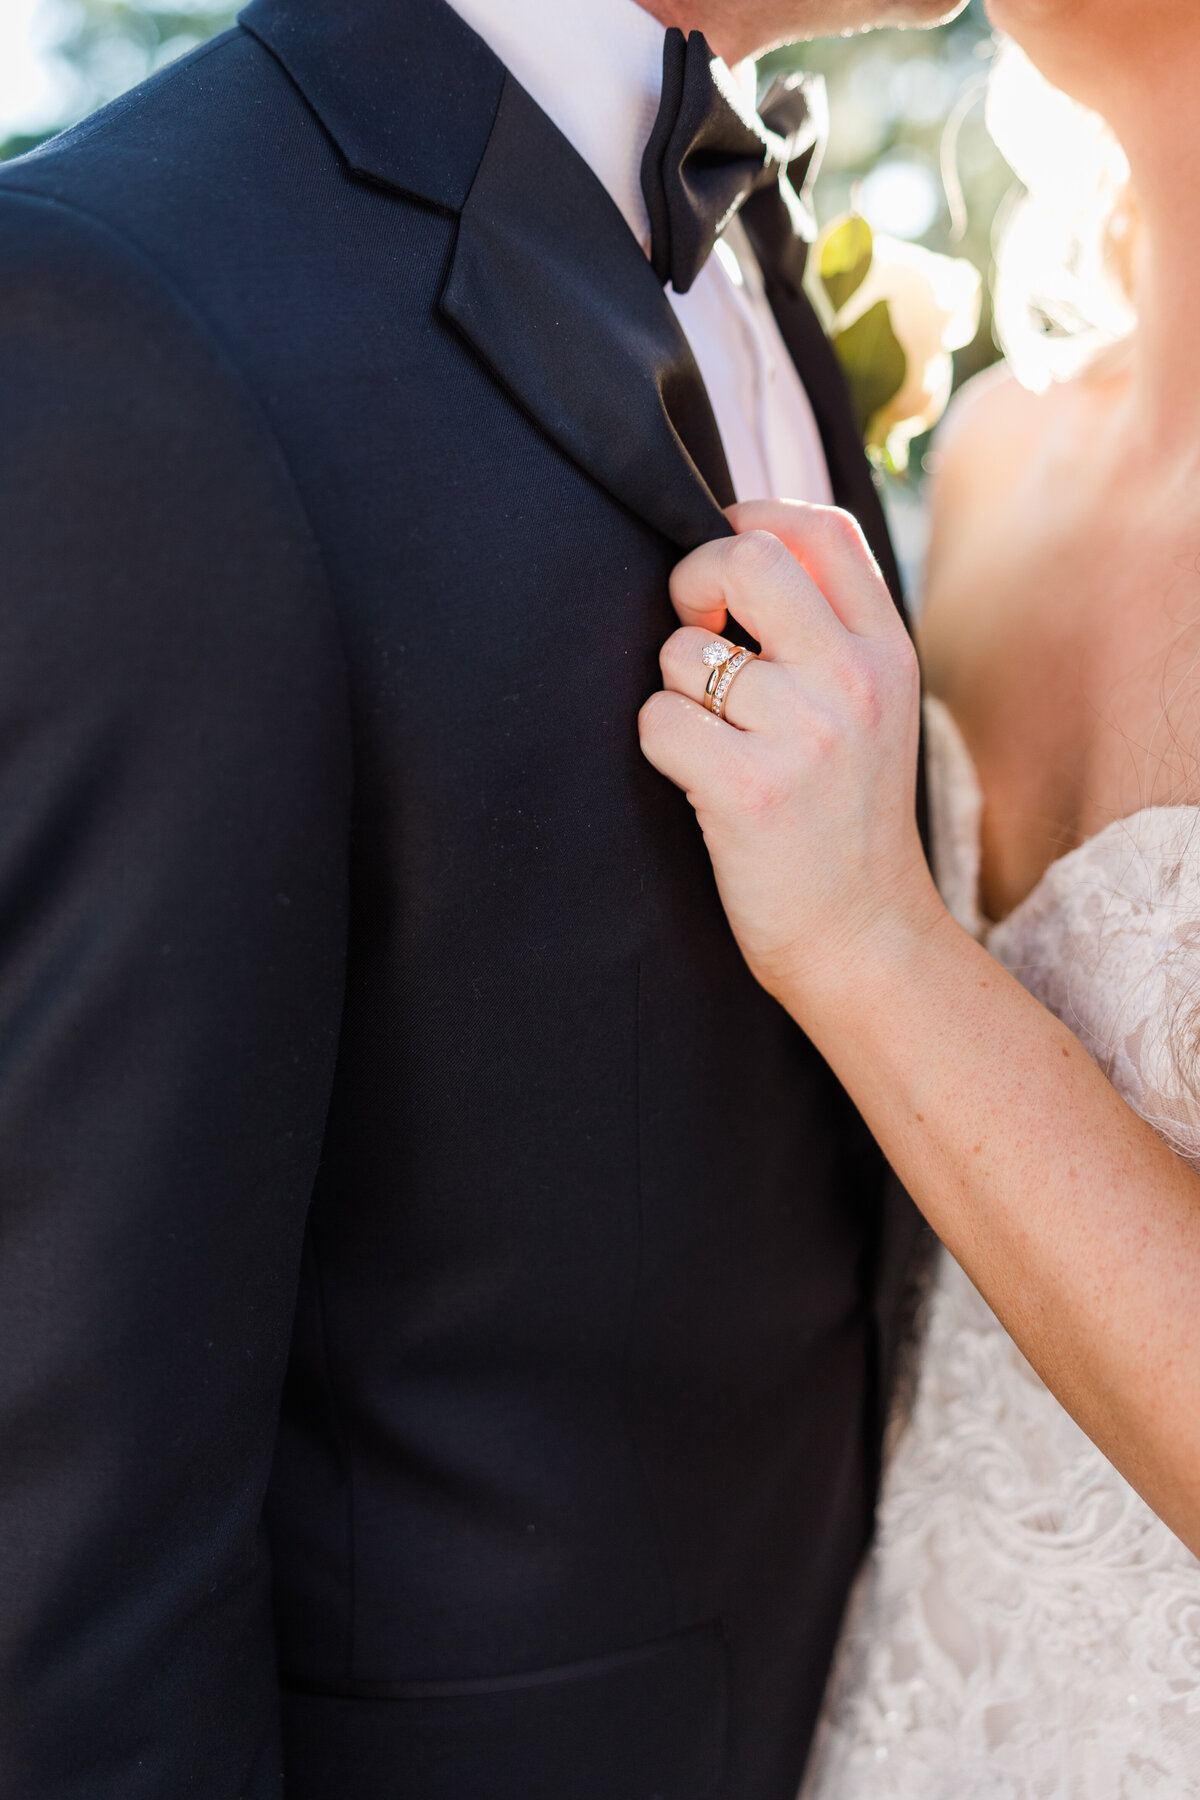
1075 1220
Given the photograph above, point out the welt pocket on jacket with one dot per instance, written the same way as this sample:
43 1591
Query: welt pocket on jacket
647 1723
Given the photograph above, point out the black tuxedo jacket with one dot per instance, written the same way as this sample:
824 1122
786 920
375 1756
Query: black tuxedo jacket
444 1303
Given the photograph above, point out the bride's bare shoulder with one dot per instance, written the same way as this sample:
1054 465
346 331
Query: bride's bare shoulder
983 442
998 448
993 434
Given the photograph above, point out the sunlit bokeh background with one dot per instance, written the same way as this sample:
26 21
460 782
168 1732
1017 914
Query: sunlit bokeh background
909 148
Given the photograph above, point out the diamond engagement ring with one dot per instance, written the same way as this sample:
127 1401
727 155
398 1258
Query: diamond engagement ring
725 660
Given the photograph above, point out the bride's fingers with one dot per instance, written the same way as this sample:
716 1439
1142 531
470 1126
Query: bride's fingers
830 547
760 582
690 747
748 699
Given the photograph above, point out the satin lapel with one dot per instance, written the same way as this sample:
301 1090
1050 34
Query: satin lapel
547 282
554 294
850 472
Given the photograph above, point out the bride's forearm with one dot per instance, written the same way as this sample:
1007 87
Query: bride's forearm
1078 1224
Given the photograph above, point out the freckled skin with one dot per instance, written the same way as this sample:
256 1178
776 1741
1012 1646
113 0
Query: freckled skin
1061 624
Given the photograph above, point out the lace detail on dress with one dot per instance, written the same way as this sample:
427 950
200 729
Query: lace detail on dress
1025 1628
1110 942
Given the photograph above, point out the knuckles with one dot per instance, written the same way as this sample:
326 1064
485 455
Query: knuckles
848 536
755 556
827 740
863 686
677 655
844 529
652 714
666 717
878 682
765 787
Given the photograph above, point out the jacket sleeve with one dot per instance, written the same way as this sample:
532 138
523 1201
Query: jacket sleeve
174 791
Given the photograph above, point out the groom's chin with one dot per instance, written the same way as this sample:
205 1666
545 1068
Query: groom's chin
910 12
829 18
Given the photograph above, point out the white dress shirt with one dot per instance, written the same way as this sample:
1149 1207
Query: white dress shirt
595 67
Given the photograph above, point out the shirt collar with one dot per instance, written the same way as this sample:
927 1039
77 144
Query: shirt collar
595 68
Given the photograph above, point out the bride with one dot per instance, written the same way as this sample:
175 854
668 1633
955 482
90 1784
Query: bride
1028 1626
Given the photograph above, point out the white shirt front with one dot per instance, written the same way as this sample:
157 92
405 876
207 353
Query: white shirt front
595 68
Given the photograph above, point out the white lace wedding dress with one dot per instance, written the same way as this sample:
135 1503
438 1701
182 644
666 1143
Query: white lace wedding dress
1025 1628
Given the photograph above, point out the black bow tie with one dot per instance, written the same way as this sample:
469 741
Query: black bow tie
711 156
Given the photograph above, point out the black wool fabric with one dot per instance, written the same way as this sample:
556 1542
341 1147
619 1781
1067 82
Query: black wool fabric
445 1305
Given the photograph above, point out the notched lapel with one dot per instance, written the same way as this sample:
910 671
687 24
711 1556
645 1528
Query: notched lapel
406 90
554 294
547 282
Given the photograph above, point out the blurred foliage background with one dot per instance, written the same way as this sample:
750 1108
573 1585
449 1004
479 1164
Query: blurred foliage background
908 146
61 59
907 107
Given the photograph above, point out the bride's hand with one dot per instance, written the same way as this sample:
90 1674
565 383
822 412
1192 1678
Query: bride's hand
805 790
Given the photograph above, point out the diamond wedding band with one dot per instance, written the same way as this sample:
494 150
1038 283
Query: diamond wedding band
725 661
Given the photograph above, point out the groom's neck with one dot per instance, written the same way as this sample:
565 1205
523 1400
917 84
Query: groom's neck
730 29
740 28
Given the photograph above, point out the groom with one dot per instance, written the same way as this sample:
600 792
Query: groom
445 1306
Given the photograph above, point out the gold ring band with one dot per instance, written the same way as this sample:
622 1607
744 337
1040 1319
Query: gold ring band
722 677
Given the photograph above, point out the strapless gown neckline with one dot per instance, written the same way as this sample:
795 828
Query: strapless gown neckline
956 804
1025 1628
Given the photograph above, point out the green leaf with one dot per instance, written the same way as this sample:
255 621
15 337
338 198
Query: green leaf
845 257
873 360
